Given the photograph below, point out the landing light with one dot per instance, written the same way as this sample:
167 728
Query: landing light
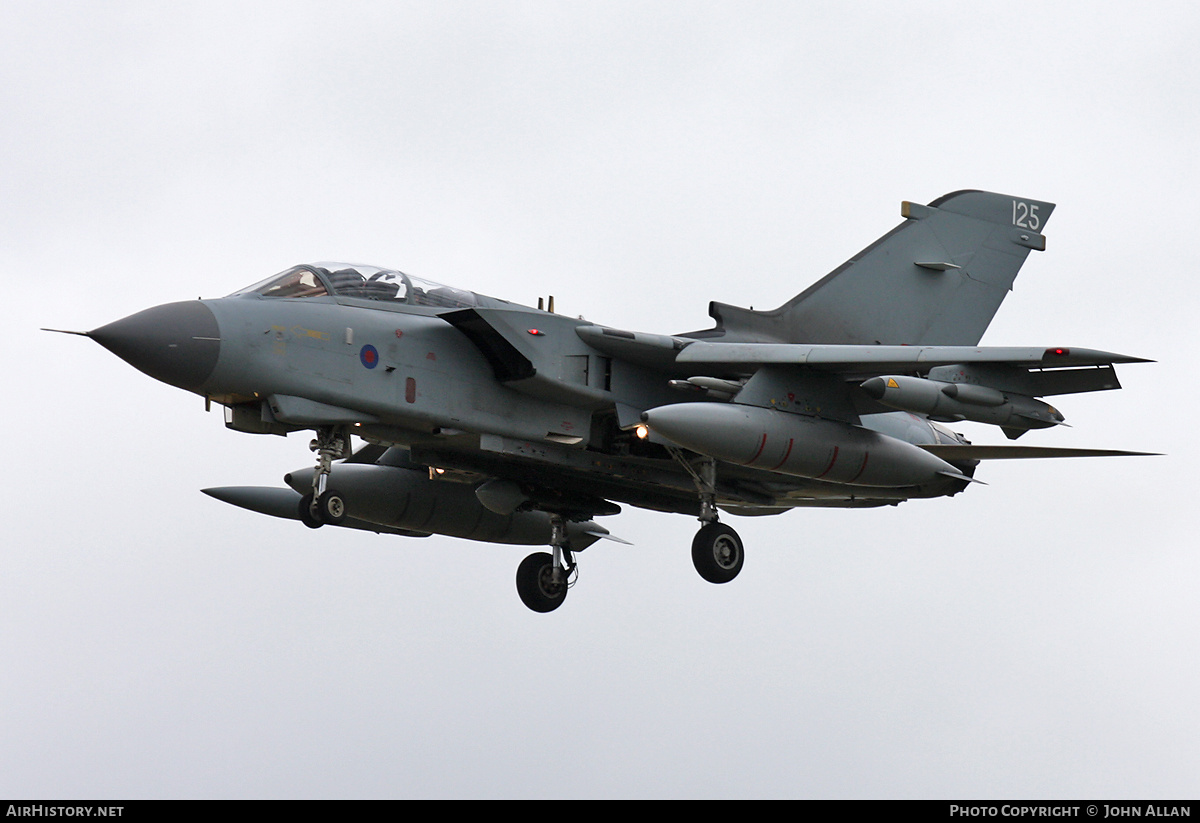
642 431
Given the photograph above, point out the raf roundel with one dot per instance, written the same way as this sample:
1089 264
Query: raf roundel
369 356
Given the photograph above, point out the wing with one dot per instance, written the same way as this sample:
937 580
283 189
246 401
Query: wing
988 384
884 359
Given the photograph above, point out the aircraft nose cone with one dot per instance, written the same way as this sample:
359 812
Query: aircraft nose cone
177 343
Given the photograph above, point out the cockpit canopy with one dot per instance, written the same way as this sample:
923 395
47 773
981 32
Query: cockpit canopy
364 282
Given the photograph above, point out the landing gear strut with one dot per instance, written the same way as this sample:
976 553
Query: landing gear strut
542 578
324 505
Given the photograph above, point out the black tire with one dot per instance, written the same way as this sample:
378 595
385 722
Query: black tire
717 553
536 586
331 507
308 513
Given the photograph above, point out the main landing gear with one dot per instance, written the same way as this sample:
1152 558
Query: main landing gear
717 551
542 578
324 505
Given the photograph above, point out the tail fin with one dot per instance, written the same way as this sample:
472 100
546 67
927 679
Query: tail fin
937 279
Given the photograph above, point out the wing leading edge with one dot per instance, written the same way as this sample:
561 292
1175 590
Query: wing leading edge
859 359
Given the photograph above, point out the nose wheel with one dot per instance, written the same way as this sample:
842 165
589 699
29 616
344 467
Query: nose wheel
328 509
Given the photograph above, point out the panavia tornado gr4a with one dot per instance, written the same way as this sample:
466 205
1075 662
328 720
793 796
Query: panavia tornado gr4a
492 421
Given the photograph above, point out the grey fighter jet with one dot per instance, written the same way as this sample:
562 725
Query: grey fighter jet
492 421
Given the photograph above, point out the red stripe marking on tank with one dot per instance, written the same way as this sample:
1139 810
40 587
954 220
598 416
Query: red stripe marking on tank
832 460
757 453
861 468
786 454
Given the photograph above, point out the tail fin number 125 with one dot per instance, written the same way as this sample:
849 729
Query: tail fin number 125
1025 215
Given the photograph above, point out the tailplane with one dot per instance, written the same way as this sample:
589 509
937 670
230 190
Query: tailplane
937 279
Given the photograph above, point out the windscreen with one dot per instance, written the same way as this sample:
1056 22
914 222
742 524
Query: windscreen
364 282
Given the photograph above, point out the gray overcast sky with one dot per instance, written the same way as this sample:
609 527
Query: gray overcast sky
1035 637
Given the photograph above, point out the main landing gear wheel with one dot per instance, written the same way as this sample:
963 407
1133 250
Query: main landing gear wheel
717 553
541 587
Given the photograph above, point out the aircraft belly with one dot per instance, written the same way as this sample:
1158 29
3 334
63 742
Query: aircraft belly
656 484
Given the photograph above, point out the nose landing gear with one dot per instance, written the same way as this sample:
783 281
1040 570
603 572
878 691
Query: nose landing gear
323 505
